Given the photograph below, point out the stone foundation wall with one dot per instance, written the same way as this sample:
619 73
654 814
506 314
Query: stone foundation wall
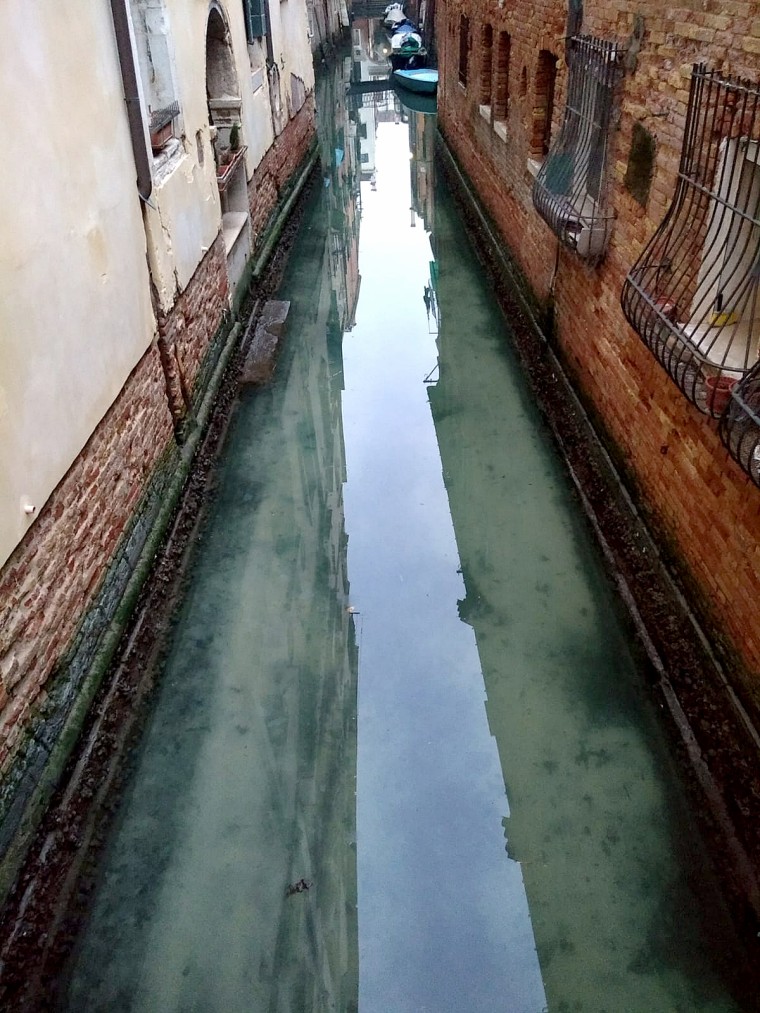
699 501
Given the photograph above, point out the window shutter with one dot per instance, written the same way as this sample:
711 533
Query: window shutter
255 12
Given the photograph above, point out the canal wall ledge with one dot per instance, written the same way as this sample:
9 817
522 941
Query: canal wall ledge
79 683
716 738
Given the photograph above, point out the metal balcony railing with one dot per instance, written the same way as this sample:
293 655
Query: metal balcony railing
740 424
692 295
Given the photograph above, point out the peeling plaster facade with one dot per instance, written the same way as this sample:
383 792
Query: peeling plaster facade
70 199
75 309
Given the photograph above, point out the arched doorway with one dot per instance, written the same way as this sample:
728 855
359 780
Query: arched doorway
224 112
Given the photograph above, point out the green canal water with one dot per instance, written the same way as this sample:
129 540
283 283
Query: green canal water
401 757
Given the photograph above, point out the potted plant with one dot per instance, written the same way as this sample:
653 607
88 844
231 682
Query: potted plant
235 137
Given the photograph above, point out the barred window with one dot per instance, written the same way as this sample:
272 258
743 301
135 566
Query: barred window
693 293
569 191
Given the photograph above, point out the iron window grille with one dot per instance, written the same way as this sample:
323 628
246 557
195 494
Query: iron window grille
255 14
163 117
570 188
740 423
692 295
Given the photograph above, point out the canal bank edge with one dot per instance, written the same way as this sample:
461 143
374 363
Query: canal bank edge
57 726
719 742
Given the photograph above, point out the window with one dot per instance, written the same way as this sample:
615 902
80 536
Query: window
486 69
155 58
501 91
570 186
464 48
693 294
255 14
543 106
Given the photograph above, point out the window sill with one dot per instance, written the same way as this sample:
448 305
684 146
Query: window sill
167 159
224 173
500 129
233 225
534 166
485 112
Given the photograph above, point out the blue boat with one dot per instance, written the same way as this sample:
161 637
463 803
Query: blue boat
423 81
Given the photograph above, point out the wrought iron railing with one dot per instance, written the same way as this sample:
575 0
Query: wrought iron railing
740 424
570 188
692 295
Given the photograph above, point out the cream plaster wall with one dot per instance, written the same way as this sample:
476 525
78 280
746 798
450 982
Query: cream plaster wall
75 310
292 48
185 216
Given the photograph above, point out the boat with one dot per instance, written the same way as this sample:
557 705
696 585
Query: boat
393 15
415 101
423 81
407 49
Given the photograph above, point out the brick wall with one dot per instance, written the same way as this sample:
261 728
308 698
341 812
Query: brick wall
54 573
64 583
698 499
277 168
184 333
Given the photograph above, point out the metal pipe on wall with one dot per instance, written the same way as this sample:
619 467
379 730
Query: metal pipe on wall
132 97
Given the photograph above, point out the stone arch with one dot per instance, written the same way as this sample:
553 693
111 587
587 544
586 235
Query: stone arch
221 75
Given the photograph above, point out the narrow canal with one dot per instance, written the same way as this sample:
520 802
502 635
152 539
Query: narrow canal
401 758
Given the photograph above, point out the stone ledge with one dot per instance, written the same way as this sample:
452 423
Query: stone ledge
262 355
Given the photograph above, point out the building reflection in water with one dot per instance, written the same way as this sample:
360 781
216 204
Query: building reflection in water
622 900
229 882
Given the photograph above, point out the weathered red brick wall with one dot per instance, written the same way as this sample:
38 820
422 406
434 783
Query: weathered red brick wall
53 574
277 167
185 332
701 501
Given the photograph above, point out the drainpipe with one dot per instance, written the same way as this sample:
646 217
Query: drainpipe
132 97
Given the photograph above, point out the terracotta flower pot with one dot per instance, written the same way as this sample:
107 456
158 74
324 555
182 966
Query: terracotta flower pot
158 138
719 392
